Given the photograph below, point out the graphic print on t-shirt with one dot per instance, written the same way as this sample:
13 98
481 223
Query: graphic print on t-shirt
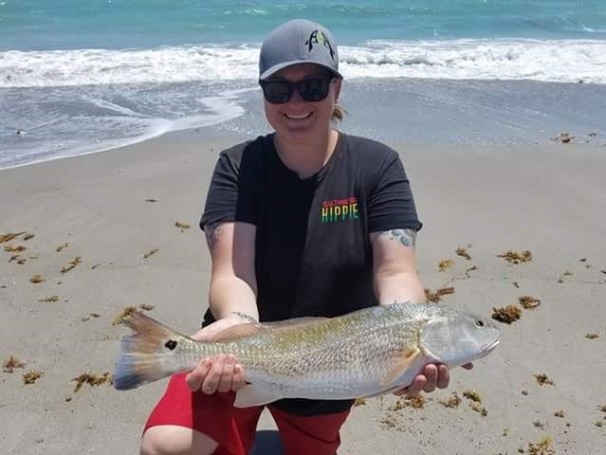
336 210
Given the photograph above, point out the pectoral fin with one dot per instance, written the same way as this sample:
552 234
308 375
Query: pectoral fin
400 367
250 395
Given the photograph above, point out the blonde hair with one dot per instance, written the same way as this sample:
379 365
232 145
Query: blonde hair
338 112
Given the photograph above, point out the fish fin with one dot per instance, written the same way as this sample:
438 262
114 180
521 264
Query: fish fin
238 331
285 323
143 354
251 395
253 328
400 367
294 321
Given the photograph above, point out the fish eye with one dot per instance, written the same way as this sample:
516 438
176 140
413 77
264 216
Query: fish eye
479 323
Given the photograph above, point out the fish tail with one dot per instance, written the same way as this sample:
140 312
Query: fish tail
147 355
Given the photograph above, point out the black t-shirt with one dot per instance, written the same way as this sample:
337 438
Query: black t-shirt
313 255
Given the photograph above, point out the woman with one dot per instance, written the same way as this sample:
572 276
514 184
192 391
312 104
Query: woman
306 221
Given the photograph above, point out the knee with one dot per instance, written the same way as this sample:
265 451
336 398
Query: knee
162 441
173 440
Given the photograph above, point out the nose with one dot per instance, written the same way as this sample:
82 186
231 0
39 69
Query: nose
296 98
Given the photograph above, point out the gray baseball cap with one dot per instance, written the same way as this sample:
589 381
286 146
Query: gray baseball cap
298 41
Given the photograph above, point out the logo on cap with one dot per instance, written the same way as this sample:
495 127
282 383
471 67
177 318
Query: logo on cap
317 37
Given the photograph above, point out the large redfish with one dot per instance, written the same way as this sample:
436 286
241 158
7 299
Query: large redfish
365 353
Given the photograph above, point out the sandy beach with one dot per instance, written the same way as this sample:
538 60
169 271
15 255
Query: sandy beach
107 231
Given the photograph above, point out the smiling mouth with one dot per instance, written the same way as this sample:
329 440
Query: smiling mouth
298 117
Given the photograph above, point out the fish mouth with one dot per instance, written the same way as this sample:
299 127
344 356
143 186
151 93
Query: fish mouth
491 347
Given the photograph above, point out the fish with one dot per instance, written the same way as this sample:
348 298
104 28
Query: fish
365 353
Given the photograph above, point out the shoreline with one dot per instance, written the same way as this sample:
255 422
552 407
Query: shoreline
118 212
423 112
564 139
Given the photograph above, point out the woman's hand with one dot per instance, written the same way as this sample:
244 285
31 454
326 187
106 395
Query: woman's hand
219 373
433 376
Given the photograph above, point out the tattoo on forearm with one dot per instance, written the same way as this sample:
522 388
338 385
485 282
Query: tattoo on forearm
406 237
212 233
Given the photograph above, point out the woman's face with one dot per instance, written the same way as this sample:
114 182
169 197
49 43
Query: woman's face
298 120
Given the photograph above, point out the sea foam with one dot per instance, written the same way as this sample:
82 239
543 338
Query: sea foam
482 59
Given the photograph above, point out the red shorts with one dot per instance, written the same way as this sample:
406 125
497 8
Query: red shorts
234 428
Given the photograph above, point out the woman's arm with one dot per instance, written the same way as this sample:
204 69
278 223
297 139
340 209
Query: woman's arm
397 280
233 290
233 286
395 268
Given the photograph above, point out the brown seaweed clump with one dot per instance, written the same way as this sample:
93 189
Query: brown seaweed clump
37 279
91 379
472 395
477 407
150 253
390 422
591 336
90 315
11 364
415 402
359 402
126 312
445 264
72 265
31 377
51 299
529 302
508 314
559 413
543 447
452 402
181 225
516 257
14 249
543 379
61 247
460 251
10 236
473 268
18 259
476 402
437 295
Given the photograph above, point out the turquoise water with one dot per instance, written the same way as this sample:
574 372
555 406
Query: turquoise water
117 24
85 75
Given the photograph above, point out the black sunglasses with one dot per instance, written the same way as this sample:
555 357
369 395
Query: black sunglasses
312 88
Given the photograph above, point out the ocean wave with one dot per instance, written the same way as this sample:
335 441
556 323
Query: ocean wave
484 59
503 59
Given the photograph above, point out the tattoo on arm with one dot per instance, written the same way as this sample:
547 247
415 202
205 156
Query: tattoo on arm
406 237
212 233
